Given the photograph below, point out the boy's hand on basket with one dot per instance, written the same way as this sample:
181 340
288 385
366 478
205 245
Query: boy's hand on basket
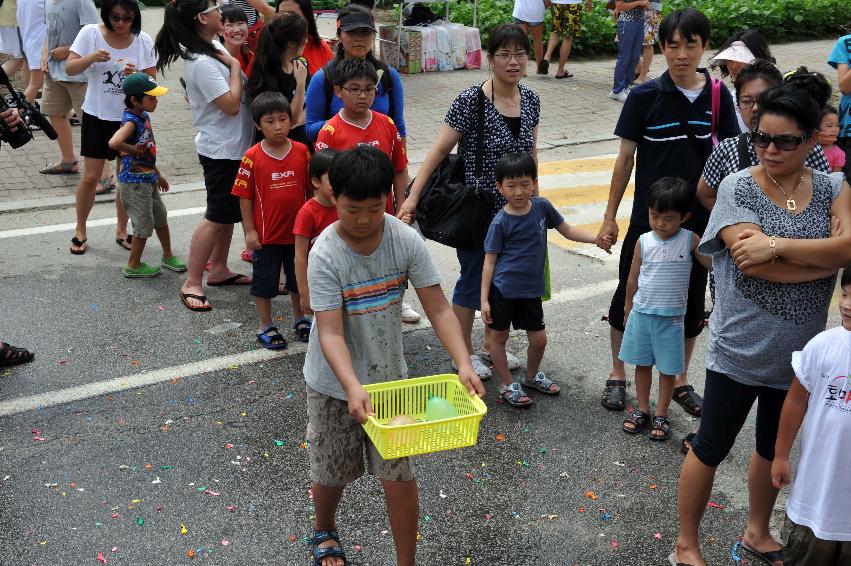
359 405
469 379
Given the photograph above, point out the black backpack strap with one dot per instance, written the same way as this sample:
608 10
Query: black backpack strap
328 77
742 149
480 130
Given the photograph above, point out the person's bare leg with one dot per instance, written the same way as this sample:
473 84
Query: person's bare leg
12 66
498 357
164 236
34 85
551 46
563 54
121 217
63 137
682 378
696 479
618 372
86 193
535 352
644 65
761 499
326 499
666 390
643 381
219 255
264 311
204 239
466 317
136 250
403 510
538 42
295 299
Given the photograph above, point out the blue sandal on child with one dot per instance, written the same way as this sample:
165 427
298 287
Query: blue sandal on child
541 383
271 339
320 553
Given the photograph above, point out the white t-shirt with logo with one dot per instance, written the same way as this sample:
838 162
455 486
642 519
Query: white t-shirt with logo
821 490
104 97
220 135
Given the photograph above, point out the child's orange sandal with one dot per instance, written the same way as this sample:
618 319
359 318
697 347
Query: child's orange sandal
321 553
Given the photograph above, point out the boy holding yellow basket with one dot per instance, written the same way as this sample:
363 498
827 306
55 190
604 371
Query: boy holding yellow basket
358 270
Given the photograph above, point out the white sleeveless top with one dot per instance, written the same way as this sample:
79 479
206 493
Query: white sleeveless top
664 276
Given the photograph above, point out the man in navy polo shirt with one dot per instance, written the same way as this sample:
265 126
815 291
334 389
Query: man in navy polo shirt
666 123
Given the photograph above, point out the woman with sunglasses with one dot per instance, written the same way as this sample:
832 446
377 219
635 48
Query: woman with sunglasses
775 259
106 53
215 88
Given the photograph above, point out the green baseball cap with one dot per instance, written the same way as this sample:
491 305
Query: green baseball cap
142 83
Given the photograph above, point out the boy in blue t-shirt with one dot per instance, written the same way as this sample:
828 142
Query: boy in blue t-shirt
139 180
513 273
840 59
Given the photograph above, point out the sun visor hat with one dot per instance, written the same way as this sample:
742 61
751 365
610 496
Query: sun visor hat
738 51
355 20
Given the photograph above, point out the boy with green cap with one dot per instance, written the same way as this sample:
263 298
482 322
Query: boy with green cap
139 180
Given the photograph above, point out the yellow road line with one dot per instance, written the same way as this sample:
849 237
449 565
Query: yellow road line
586 194
576 166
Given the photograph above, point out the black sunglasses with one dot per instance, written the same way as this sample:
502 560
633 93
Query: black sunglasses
783 143
115 18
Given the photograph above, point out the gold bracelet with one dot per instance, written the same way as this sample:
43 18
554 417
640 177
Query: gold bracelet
772 243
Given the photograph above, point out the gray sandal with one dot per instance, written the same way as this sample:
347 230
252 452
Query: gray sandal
60 168
541 383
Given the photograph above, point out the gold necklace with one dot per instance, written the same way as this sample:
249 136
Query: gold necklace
791 205
507 102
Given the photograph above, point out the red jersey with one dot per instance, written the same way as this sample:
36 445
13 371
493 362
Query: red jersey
380 133
313 218
317 54
278 188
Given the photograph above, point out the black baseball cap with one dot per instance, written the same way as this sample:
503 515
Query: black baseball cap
352 20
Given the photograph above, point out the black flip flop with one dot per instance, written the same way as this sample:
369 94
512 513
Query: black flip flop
769 557
566 75
230 281
80 244
125 243
185 296
614 395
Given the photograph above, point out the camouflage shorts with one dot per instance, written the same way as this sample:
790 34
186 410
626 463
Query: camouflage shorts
567 19
652 19
338 445
803 548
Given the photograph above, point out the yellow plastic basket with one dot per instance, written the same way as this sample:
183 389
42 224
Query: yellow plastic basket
409 397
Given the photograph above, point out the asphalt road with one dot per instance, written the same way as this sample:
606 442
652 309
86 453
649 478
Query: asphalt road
202 466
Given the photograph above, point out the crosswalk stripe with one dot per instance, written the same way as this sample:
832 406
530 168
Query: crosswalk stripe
602 163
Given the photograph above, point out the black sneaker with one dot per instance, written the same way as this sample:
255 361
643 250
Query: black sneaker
543 67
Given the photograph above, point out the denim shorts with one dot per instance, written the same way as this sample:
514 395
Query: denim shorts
468 288
268 262
654 340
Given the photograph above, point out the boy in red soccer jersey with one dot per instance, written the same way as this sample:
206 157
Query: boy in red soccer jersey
272 185
355 124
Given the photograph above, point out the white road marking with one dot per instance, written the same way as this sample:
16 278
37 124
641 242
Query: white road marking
78 393
17 233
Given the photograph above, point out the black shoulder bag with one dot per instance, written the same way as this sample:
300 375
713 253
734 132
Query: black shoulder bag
742 150
449 210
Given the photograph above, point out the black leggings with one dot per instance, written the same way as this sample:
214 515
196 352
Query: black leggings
726 405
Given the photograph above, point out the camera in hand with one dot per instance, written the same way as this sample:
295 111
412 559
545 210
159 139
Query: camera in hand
21 134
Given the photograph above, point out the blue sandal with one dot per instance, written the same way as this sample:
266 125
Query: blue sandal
512 394
271 339
320 553
541 383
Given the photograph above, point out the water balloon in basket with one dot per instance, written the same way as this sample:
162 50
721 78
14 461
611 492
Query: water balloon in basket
438 408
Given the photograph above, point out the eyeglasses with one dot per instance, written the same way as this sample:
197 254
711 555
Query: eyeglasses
746 103
783 143
116 19
368 91
505 56
210 9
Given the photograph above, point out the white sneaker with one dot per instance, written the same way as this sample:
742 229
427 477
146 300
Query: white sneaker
483 371
513 362
409 314
620 96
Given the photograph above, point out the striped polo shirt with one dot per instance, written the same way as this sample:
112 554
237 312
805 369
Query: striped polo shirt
665 269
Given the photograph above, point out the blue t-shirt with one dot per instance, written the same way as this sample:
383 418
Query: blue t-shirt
841 54
140 169
521 242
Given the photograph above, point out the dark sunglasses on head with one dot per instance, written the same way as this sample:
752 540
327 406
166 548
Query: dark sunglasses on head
783 143
115 18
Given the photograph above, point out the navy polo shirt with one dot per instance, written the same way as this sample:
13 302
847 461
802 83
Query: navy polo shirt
652 116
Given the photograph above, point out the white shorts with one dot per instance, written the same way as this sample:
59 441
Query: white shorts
33 30
10 42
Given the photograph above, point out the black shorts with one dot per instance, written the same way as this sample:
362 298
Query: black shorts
95 135
696 306
726 405
268 262
219 175
523 314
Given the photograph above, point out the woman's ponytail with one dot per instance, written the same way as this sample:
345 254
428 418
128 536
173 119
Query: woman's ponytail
179 37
